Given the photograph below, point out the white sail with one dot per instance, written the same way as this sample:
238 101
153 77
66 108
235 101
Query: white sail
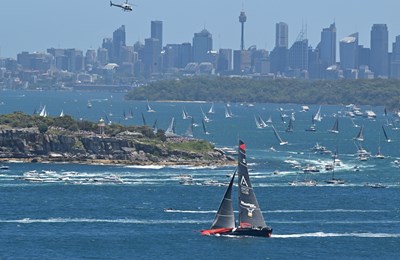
171 129
281 142
149 109
43 112
318 116
211 110
62 113
205 118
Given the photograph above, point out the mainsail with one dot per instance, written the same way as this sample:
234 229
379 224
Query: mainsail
249 211
281 142
225 217
335 128
386 136
360 135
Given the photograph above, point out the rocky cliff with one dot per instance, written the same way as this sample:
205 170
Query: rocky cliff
126 148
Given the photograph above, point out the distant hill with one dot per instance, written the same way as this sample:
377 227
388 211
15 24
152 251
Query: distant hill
375 92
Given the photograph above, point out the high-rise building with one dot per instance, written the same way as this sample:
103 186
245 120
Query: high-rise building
152 52
298 55
157 31
395 62
242 20
379 59
327 46
282 35
186 54
224 61
119 40
202 45
241 62
348 47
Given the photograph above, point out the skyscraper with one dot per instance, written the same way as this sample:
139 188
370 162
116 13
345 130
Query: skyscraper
242 20
379 50
327 46
348 47
279 55
157 31
395 62
152 52
202 45
281 35
119 40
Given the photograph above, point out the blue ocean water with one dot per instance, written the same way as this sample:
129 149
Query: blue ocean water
78 213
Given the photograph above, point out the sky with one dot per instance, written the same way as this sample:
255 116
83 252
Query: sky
27 25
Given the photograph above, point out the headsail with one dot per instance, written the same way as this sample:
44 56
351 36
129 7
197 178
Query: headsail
249 211
360 135
225 217
335 128
281 142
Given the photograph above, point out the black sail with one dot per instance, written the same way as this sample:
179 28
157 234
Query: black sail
225 217
249 211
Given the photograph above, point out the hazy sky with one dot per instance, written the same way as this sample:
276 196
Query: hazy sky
35 25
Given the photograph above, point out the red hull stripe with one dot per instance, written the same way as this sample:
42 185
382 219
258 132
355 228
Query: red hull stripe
210 232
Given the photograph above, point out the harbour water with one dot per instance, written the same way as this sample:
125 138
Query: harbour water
118 212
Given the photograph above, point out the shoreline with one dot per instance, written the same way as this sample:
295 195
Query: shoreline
120 162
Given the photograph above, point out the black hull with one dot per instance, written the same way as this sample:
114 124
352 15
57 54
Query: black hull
264 232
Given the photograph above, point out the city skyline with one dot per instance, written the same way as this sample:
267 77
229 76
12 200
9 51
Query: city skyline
39 25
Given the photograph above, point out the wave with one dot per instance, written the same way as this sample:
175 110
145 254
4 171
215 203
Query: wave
326 211
322 234
90 220
151 167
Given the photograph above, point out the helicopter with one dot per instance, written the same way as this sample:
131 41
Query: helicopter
125 6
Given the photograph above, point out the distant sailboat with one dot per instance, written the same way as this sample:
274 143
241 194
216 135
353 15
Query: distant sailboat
385 134
89 104
269 119
290 126
43 112
171 129
312 127
318 116
228 112
155 129
258 125
185 114
281 142
360 135
149 109
205 118
335 128
204 127
189 131
333 180
62 113
143 119
211 110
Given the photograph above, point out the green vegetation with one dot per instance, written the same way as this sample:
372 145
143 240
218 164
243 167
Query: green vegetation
222 89
68 126
197 147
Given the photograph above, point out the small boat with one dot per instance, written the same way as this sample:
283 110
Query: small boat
312 128
204 127
211 110
205 118
385 134
318 116
303 183
149 109
360 135
281 142
333 180
170 132
185 114
4 167
251 220
335 128
228 112
89 104
290 126
375 185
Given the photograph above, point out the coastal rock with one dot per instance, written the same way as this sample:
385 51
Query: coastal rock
128 148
